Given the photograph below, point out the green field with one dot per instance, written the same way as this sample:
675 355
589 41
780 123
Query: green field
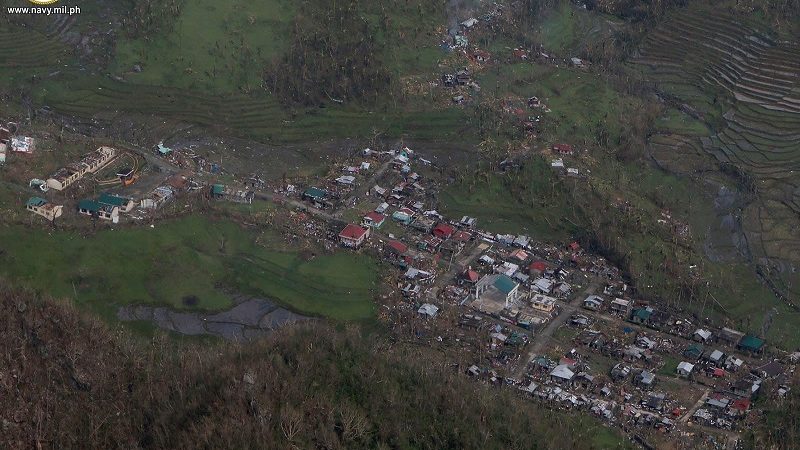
217 46
530 201
192 258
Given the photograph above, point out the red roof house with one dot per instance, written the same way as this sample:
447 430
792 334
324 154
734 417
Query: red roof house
563 149
471 276
462 236
537 267
396 247
373 219
443 230
353 235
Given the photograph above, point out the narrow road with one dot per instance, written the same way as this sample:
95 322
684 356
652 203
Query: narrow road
695 407
541 339
362 189
456 268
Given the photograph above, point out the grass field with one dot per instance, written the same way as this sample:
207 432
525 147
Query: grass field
185 264
531 201
213 46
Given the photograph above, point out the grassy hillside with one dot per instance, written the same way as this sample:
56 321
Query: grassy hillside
300 388
192 258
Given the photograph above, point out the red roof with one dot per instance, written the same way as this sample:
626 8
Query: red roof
575 246
375 217
398 246
741 404
539 266
719 372
463 236
471 275
443 230
563 148
352 232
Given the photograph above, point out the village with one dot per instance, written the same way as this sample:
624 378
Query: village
553 321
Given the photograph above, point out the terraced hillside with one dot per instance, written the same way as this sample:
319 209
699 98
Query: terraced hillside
745 83
30 49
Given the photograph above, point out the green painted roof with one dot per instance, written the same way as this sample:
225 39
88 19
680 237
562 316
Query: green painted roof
642 313
113 200
36 201
694 349
315 192
89 205
218 189
751 343
505 284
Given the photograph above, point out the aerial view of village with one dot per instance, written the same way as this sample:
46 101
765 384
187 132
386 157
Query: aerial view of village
550 224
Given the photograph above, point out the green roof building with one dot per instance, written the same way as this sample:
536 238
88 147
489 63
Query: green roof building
113 200
36 202
505 284
751 344
315 194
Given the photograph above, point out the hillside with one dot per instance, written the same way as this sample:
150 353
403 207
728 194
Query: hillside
301 388
738 77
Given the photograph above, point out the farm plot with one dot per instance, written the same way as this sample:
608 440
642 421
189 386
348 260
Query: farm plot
745 81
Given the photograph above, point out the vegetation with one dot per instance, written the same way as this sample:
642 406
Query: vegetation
194 257
300 388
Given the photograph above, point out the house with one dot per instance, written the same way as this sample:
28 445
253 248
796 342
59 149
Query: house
353 236
751 344
701 335
44 208
373 219
769 370
124 204
732 363
411 290
423 224
641 316
497 287
467 222
730 336
746 388
90 163
220 191
543 303
428 310
315 195
715 357
96 209
684 369
620 372
693 351
645 379
537 268
404 216
23 144
346 180
381 209
543 285
470 276
396 248
593 302
443 230
620 306
563 149
157 197
562 374
521 241
3 153
163 150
